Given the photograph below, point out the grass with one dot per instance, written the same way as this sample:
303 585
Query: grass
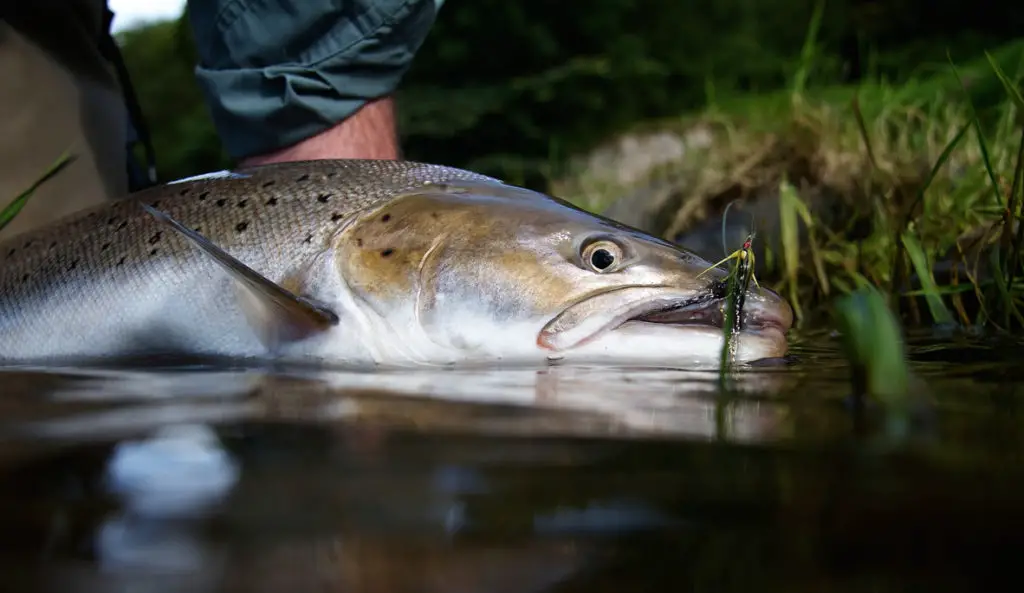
914 188
11 210
873 345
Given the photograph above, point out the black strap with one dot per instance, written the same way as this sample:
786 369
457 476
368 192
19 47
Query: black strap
110 50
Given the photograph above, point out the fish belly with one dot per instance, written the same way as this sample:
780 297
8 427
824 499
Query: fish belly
188 313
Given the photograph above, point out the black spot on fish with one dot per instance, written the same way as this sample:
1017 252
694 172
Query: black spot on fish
272 202
153 251
433 215
243 203
155 204
359 242
111 221
73 265
303 178
198 229
24 278
155 238
336 217
203 196
387 252
105 247
385 218
241 226
12 252
27 244
123 224
221 202
309 238
184 192
53 245
120 262
269 183
322 198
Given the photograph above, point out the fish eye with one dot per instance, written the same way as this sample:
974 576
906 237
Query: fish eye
602 256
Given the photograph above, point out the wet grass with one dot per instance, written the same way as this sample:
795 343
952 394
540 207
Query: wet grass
873 344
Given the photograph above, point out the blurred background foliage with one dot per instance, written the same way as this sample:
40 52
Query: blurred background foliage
515 88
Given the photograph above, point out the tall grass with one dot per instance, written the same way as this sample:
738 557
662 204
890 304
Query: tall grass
914 188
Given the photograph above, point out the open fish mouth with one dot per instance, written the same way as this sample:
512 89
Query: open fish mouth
711 313
764 312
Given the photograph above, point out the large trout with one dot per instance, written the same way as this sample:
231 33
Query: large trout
364 262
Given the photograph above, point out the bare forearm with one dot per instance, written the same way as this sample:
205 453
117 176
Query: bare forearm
369 134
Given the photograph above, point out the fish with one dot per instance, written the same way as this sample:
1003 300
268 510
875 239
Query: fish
354 263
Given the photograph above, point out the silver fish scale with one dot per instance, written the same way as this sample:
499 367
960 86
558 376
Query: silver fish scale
272 218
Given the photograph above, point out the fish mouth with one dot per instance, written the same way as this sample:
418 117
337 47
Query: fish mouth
764 313
710 313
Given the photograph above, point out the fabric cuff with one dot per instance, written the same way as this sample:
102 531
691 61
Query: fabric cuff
275 72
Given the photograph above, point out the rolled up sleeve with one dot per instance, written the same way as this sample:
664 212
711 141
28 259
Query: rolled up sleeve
275 72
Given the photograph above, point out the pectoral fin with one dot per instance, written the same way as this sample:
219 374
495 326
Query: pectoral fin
277 314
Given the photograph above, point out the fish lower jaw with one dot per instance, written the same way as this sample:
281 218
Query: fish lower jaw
678 345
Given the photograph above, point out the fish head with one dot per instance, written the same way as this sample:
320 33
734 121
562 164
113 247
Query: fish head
500 272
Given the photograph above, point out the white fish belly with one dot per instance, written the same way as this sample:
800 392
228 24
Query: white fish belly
167 309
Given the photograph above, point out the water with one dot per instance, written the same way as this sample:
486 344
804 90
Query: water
561 480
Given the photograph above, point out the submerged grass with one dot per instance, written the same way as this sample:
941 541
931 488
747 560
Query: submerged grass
873 344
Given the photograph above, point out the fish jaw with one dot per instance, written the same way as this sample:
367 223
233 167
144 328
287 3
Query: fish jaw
666 326
637 343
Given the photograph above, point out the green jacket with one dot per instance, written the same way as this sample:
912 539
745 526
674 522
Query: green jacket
276 72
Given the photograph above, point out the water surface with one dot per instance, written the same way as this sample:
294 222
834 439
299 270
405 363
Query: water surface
209 479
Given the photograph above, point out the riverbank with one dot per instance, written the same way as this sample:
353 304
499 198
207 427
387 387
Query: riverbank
842 183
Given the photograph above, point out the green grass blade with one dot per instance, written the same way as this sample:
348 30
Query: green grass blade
938 309
1011 88
939 163
1013 201
1013 208
1006 301
819 265
807 51
873 345
982 144
942 290
862 127
12 209
790 234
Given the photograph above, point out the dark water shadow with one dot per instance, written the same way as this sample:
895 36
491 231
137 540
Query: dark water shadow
559 479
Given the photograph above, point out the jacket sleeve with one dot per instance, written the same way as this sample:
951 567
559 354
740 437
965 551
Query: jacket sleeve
275 72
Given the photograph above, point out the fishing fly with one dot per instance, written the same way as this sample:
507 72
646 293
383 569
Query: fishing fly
738 283
744 255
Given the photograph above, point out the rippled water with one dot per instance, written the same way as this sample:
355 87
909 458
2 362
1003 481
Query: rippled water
562 479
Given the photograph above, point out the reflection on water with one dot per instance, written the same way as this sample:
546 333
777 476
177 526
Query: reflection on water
520 480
